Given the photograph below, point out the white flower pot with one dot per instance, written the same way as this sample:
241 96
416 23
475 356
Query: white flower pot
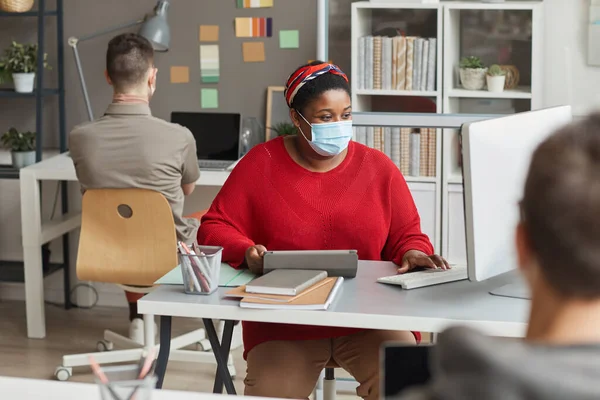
496 83
21 159
473 79
24 82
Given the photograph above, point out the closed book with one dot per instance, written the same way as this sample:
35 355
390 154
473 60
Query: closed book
401 64
369 63
395 144
288 282
432 65
424 65
415 151
424 152
432 152
377 62
320 298
405 150
387 49
387 141
370 137
394 61
362 65
361 134
410 55
417 59
377 138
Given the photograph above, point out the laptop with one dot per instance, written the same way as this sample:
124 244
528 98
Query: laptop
217 137
403 367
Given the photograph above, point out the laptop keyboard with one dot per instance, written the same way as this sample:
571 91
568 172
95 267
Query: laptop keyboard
213 164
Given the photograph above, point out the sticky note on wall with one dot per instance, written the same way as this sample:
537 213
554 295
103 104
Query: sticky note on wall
253 51
289 39
254 3
209 33
209 98
253 27
209 63
180 74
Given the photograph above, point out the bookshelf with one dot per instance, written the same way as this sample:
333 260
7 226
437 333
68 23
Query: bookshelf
507 33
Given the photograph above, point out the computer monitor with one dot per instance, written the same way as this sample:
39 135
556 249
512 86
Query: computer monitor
403 367
217 134
496 157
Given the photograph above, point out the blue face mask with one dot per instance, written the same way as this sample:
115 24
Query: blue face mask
329 139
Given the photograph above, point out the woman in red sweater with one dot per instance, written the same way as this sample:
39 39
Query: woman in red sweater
317 190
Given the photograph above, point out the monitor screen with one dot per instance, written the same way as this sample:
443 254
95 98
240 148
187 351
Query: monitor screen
217 134
403 367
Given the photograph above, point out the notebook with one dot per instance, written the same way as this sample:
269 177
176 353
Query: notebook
318 299
240 292
288 282
228 277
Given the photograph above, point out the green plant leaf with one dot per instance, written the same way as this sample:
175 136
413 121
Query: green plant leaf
21 58
18 141
284 128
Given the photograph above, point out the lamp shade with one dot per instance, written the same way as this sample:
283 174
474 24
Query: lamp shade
156 27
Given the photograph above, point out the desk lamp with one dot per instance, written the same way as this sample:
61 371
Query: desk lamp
154 27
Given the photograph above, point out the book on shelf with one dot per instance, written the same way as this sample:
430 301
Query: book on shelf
397 63
413 151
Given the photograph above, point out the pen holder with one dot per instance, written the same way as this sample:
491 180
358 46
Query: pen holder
123 384
201 271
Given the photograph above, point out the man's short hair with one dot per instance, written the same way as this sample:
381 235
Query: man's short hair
561 208
128 58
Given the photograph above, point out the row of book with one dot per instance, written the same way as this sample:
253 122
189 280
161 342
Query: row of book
412 150
397 63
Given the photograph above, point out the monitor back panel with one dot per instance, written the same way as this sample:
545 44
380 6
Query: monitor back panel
496 158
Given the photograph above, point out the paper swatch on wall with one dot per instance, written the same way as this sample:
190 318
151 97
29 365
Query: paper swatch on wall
254 3
209 63
289 39
209 98
253 27
180 74
209 33
253 51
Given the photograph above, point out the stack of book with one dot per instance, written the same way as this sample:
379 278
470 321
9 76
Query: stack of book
412 150
397 63
289 289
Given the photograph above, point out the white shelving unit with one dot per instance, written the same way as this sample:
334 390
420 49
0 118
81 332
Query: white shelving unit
499 38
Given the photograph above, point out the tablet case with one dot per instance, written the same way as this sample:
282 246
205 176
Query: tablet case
342 263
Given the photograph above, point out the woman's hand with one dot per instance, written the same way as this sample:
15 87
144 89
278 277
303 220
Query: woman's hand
414 259
254 258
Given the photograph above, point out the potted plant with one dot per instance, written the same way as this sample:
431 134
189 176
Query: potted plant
496 78
284 129
21 145
20 60
472 73
4 75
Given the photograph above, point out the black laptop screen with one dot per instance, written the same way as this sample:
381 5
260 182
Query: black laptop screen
217 134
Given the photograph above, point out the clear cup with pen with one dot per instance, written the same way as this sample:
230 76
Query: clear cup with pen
200 267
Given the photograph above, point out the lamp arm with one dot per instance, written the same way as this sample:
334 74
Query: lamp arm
73 42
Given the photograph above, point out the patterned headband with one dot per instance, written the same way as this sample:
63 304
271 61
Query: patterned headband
307 74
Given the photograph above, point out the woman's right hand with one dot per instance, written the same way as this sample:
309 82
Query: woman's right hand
254 258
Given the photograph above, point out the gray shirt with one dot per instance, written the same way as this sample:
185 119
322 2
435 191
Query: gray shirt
468 365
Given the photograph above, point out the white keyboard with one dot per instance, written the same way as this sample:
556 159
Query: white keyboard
428 277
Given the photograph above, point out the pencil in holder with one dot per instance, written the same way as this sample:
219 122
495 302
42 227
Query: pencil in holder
201 269
124 384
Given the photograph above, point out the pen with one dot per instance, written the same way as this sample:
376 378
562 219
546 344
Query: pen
147 363
102 376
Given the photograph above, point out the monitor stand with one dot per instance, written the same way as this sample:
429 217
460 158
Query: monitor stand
517 289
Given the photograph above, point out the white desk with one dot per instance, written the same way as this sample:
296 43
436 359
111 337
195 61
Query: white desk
36 232
34 389
362 303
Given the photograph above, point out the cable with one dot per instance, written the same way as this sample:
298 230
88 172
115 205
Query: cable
75 305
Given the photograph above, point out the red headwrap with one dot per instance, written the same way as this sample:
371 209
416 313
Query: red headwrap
306 74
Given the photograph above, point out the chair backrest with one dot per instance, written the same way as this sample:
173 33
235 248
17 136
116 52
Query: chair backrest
127 236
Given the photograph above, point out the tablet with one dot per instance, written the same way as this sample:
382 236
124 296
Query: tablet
336 262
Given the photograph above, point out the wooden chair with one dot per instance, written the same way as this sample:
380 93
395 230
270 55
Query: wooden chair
128 238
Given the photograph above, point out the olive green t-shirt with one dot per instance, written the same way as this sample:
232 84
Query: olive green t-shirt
129 148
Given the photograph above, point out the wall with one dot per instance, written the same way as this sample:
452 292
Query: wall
242 86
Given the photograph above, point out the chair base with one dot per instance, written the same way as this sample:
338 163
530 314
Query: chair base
132 351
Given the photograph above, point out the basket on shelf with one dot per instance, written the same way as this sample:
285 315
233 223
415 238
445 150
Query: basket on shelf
16 5
512 76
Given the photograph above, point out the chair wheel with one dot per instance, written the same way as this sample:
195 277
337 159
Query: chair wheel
104 345
203 345
63 373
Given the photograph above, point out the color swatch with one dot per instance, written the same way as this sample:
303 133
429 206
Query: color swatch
289 39
209 63
180 74
254 3
253 27
253 51
209 33
209 98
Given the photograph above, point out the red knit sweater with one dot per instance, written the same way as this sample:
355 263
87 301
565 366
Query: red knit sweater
269 199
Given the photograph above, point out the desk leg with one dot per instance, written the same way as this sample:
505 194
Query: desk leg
31 225
221 354
165 349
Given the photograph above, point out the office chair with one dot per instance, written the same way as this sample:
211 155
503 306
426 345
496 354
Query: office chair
128 238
